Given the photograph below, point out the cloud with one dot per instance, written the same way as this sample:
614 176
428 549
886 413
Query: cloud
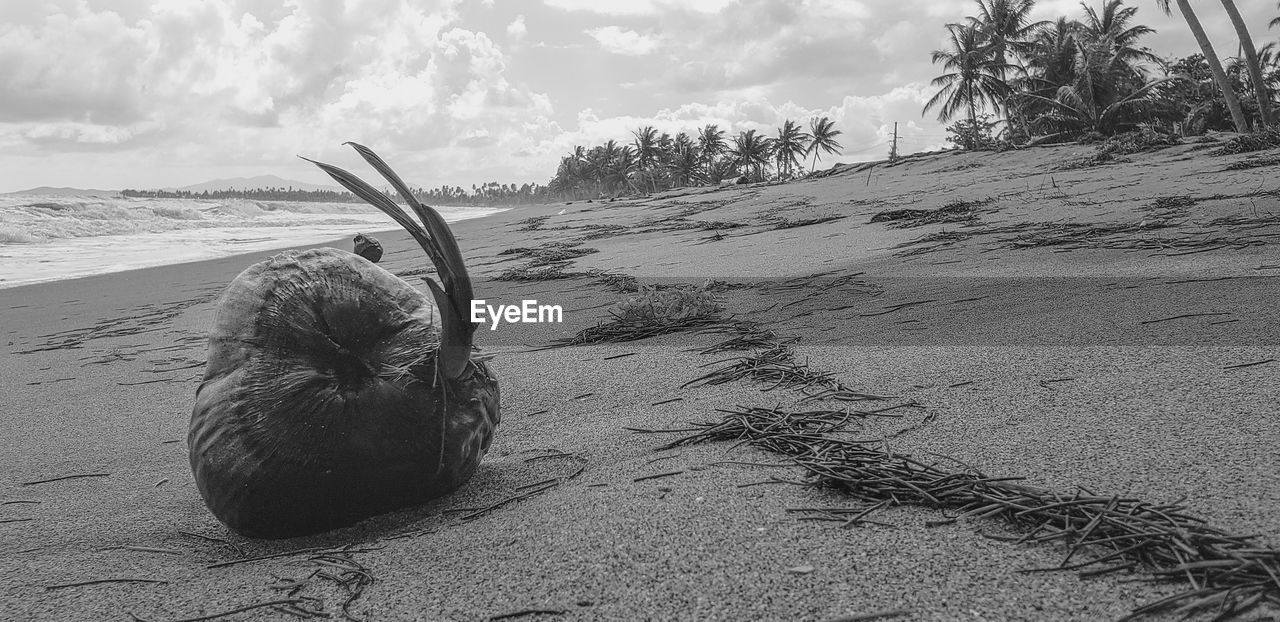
640 7
47 72
222 83
623 41
866 123
517 30
150 88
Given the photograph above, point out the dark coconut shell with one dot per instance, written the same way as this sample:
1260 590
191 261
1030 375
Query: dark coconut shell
368 247
321 405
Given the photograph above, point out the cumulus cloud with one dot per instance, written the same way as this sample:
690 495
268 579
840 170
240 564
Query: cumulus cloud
866 123
517 29
640 7
223 82
623 41
212 85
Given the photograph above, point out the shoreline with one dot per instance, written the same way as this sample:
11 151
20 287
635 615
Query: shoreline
97 244
1143 394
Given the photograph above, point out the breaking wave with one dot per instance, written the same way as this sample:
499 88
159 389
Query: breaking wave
33 220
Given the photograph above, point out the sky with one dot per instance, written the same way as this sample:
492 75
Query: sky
165 93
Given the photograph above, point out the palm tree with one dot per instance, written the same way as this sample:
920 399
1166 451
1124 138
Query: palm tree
1004 26
684 166
1215 65
1051 58
752 151
711 144
646 143
822 137
1112 25
1100 94
790 145
975 77
1006 29
1251 62
1269 60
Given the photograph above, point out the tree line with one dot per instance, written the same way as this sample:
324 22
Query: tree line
487 194
658 161
1069 78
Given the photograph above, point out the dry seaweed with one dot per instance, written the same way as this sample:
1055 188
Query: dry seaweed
533 223
786 223
621 283
650 312
1247 143
1253 162
777 367
955 211
1229 574
537 273
549 254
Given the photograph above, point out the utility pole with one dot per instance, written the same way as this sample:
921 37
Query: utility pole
893 151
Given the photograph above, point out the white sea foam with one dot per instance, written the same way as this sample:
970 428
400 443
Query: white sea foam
53 238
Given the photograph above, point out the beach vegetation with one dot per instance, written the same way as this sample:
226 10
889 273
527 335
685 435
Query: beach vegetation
978 134
1215 64
822 139
974 78
751 152
711 145
656 161
791 144
1069 78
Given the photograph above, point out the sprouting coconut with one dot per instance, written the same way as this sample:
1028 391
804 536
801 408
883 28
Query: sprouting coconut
334 390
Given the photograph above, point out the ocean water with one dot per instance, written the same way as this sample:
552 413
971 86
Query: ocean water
47 238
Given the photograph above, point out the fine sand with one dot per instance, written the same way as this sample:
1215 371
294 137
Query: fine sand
1076 326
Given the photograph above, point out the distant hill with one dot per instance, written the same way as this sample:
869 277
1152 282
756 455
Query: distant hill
50 191
252 183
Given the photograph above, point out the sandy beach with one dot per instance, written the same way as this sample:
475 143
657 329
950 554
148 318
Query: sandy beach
1111 326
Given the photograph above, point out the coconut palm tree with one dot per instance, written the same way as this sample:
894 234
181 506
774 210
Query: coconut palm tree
1051 58
684 167
711 144
790 145
1006 27
752 151
647 149
1269 60
975 77
1050 65
1113 24
1251 63
1215 65
822 137
1101 93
